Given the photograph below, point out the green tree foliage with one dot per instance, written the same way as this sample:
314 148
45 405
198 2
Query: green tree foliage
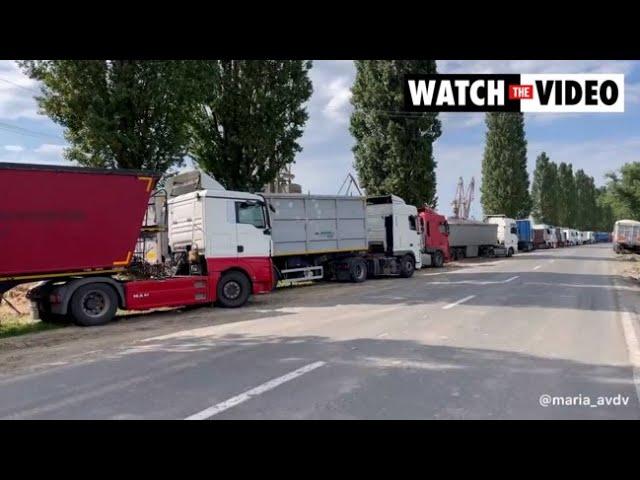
545 191
623 192
586 210
393 151
567 196
606 216
253 114
505 180
119 113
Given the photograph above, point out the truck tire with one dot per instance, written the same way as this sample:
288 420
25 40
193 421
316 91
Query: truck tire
358 270
438 259
510 252
233 289
93 304
407 266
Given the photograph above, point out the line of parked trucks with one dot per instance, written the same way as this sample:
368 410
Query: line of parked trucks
101 240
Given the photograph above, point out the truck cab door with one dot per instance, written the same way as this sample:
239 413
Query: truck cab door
254 234
414 240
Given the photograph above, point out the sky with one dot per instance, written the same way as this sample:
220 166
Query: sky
596 142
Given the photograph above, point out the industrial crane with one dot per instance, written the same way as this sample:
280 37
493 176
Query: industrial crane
462 201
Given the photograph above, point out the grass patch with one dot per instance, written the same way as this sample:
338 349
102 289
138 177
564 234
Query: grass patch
14 325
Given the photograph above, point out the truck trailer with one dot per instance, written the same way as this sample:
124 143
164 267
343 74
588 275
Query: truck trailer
626 236
344 238
75 231
525 235
471 238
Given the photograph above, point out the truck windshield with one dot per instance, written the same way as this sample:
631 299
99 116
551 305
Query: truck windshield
251 214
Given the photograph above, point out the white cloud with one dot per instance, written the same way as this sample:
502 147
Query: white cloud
338 107
50 149
14 148
17 93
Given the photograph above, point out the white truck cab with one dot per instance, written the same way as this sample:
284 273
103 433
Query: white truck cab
221 233
402 236
507 232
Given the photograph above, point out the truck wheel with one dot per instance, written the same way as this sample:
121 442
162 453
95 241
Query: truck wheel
358 271
510 252
407 266
438 259
233 290
93 305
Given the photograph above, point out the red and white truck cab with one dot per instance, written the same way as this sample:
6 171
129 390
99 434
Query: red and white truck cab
435 236
227 234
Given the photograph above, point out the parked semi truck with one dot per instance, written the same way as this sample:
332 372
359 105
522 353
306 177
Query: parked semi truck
507 232
435 236
342 237
471 238
626 236
560 237
525 235
75 231
544 236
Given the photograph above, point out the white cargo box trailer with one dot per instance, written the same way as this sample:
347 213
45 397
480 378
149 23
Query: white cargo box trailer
342 237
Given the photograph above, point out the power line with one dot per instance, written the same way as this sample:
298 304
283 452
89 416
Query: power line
19 86
25 131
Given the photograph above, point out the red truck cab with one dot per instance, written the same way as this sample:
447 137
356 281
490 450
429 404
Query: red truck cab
435 235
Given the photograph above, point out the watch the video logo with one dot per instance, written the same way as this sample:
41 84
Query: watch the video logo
582 92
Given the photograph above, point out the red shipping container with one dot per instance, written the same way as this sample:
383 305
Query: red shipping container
57 219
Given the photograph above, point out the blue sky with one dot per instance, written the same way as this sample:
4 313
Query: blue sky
596 143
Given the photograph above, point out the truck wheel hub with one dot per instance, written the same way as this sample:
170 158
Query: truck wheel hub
232 290
94 303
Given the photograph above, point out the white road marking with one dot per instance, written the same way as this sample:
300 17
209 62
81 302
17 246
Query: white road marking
476 282
551 261
537 267
462 300
382 335
249 394
633 348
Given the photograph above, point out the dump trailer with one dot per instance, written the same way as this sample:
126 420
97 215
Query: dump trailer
76 230
626 236
344 238
525 235
601 237
471 238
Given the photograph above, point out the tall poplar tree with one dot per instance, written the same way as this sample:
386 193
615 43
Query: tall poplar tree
394 150
505 180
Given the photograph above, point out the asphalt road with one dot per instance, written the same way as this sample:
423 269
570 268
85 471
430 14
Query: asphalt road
481 342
